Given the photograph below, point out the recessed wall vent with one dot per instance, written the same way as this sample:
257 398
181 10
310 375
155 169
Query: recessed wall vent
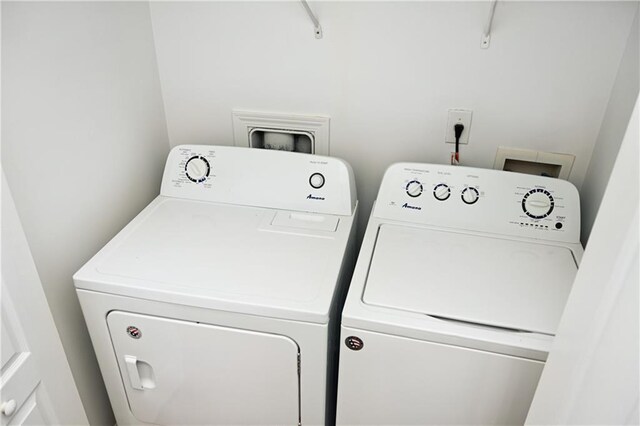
282 139
539 163
287 132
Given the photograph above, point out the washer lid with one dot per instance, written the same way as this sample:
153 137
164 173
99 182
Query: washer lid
477 279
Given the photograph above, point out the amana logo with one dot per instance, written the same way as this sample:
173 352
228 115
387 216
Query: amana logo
134 332
311 197
407 206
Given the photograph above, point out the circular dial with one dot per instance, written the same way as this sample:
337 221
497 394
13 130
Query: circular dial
414 188
197 169
316 180
537 203
470 195
442 191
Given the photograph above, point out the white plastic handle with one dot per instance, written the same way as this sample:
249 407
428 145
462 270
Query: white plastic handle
8 407
132 370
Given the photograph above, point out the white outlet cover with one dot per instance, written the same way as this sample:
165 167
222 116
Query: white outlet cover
317 125
458 116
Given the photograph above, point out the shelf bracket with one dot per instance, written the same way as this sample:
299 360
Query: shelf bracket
317 29
486 35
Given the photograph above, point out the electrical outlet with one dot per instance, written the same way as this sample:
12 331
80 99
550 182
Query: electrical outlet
458 116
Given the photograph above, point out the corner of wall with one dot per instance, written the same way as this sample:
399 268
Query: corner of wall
158 71
615 121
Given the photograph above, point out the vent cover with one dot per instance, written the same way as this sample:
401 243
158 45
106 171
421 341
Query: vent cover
288 132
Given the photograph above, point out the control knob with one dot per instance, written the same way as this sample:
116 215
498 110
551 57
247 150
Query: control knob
414 188
442 191
316 180
538 203
197 169
470 195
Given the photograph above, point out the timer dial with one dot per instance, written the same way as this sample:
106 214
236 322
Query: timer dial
538 203
470 195
442 191
414 188
197 169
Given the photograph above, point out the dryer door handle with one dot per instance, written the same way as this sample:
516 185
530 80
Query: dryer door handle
132 369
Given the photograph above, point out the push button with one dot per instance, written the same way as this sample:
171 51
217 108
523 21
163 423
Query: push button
316 180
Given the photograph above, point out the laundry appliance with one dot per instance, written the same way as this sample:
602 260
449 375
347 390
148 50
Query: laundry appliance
219 303
459 286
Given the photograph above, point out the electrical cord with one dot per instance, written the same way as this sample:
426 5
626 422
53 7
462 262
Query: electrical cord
457 129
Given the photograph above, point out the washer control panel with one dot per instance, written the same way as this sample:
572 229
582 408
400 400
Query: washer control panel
260 178
482 200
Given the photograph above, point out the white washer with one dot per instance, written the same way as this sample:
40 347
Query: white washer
461 280
219 303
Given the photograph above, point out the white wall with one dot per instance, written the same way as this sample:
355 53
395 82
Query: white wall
623 97
83 146
84 137
592 375
386 72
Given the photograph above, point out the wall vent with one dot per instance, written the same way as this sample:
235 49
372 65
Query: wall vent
539 163
287 132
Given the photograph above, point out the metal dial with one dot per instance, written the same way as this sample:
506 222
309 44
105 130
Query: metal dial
538 203
442 191
197 169
414 188
470 195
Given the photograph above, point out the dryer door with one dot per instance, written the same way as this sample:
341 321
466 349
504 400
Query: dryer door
180 372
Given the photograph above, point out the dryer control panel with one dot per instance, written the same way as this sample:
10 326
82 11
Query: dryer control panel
482 200
260 178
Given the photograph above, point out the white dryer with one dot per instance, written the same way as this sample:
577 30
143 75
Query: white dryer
219 303
461 280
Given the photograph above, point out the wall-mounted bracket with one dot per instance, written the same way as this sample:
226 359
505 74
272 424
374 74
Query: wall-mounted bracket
486 35
317 29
